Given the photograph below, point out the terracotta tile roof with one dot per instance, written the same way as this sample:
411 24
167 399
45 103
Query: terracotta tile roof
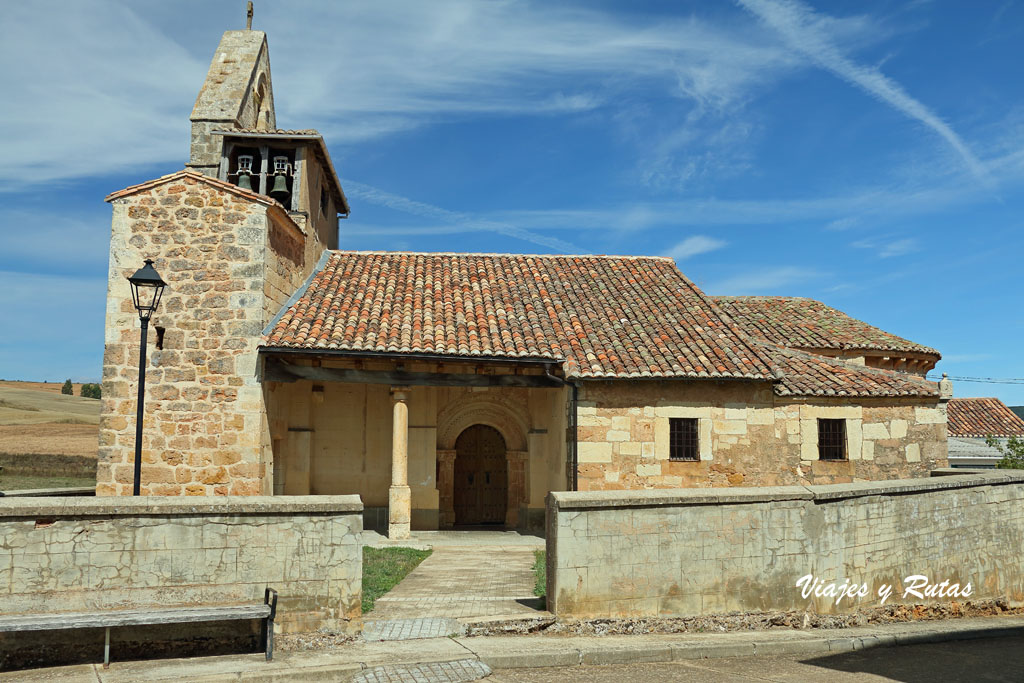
808 374
802 323
269 131
604 316
197 176
979 417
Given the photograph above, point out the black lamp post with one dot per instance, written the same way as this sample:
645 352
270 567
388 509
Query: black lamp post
147 288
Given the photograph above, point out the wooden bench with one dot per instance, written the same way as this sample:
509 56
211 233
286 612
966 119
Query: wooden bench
149 616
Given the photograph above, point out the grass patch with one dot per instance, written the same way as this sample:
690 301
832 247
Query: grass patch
15 482
383 568
540 573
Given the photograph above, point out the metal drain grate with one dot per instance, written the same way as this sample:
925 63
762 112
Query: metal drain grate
439 672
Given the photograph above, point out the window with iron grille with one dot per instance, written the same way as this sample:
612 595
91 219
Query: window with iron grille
831 439
682 438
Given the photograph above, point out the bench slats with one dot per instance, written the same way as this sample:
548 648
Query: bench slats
47 622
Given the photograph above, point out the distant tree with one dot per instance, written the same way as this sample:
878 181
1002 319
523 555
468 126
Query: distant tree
91 391
1012 451
67 389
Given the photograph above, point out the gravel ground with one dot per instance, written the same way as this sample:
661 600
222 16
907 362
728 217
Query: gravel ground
317 640
748 621
716 623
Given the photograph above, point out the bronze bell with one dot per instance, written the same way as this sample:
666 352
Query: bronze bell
280 189
244 182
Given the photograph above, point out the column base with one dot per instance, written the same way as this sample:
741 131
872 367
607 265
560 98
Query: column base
399 512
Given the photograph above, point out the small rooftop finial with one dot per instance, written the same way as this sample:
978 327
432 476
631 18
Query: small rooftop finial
945 388
248 16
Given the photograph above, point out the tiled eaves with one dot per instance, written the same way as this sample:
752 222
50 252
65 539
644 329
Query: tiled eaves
808 374
305 132
799 322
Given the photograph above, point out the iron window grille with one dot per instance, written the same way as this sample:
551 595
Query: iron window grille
831 439
682 438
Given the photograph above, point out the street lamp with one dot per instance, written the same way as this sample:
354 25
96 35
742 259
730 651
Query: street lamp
147 288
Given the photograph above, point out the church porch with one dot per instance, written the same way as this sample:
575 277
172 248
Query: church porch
427 444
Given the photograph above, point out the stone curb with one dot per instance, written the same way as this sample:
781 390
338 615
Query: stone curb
509 652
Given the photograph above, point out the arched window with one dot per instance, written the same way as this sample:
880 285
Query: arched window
260 102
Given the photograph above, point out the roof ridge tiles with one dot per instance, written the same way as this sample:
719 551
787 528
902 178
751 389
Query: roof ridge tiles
194 175
379 252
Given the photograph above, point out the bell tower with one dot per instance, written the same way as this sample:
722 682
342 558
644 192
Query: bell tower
235 138
237 95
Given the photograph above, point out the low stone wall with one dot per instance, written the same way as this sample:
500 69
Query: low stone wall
86 554
701 551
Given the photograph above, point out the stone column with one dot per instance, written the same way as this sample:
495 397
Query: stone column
399 495
446 487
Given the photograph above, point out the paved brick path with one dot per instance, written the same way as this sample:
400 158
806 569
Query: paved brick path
410 629
470 574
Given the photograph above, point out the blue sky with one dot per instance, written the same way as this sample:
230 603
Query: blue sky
867 154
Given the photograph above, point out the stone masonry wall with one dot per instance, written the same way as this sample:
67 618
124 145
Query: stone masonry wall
92 554
700 551
204 407
747 437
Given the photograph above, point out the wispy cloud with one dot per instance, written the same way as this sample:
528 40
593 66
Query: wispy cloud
915 190
899 248
841 223
886 247
763 281
805 31
464 221
692 246
122 100
29 239
115 95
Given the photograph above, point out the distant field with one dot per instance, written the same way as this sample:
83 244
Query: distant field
47 439
50 439
22 406
51 387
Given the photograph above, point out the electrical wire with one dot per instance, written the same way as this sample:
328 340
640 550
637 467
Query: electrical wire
982 380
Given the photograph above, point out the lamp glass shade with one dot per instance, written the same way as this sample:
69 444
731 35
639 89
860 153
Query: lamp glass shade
147 288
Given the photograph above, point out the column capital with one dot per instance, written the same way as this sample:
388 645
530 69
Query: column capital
400 393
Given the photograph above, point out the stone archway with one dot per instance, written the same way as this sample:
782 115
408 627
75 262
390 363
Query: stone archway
509 420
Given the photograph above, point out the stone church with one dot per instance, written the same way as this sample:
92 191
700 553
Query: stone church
451 389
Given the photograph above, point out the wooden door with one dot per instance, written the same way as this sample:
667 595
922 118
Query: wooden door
481 477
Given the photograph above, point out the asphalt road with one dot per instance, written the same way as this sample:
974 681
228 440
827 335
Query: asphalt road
977 661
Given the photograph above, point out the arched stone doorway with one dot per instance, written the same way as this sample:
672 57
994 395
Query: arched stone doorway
480 487
505 416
